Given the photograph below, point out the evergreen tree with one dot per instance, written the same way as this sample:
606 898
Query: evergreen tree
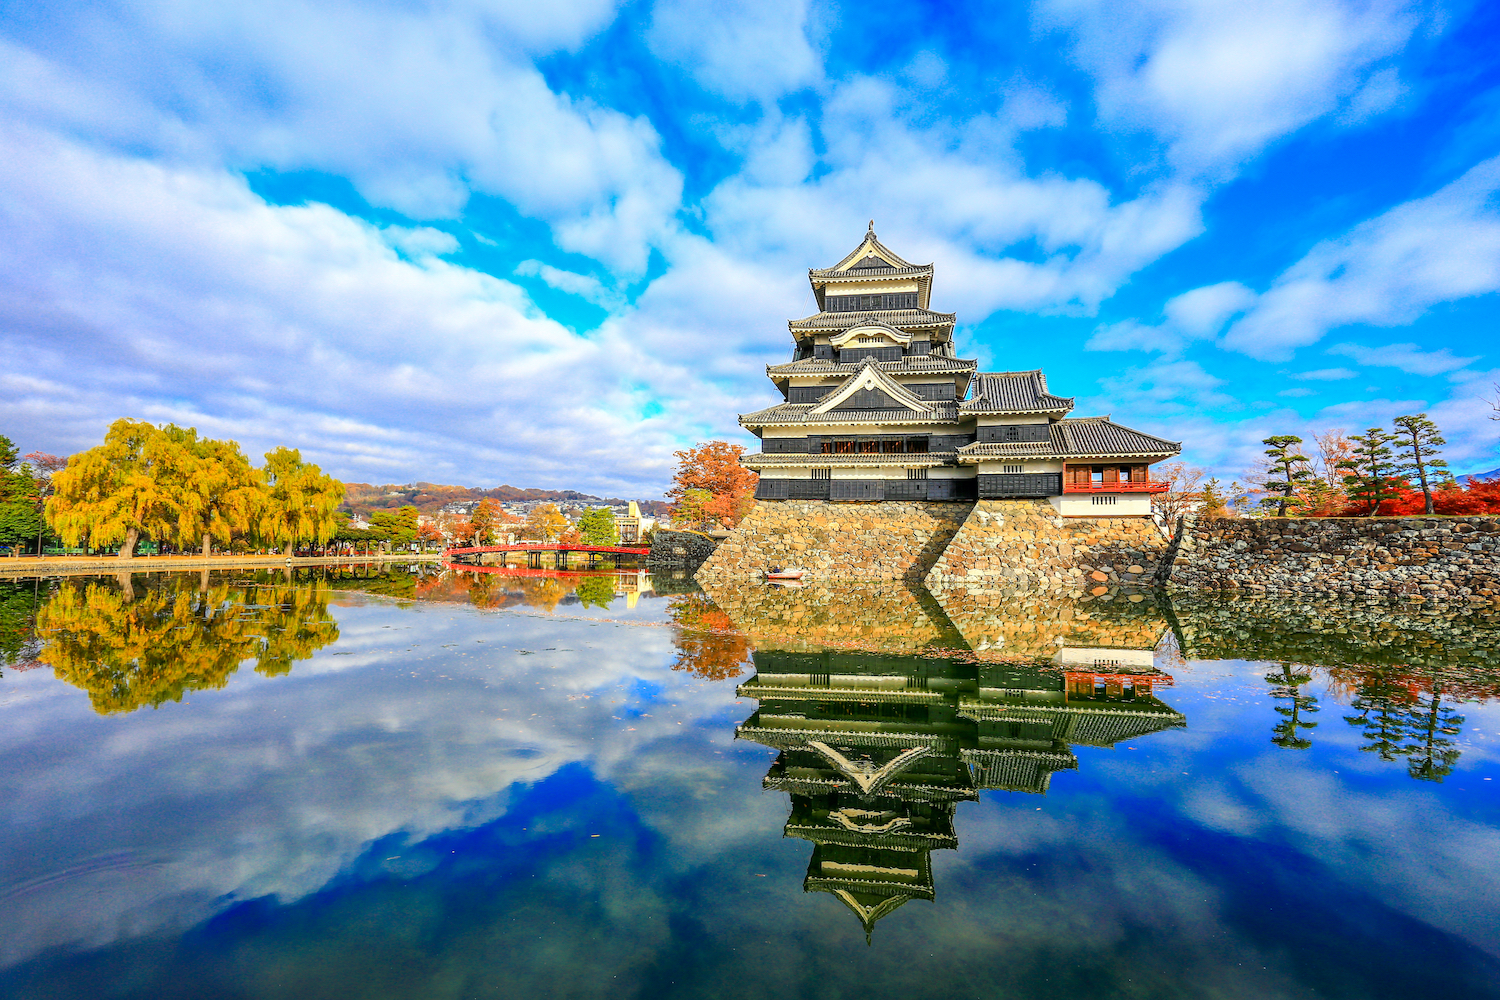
1288 689
1418 440
1371 478
1289 469
20 499
1212 502
598 527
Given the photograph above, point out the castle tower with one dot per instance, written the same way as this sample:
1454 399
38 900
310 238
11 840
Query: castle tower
877 405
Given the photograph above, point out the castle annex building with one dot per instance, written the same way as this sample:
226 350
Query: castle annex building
877 405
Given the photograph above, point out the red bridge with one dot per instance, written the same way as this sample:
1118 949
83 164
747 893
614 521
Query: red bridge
559 552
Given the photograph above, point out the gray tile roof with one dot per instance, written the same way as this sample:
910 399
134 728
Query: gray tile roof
1014 392
797 413
868 246
912 363
900 318
1093 437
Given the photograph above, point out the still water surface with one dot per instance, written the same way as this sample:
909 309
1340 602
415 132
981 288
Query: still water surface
461 785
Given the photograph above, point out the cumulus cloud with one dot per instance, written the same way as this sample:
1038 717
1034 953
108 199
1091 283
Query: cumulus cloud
1219 81
1194 315
741 50
1387 271
179 295
416 108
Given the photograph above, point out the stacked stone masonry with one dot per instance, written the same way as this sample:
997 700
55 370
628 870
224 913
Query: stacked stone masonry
1406 558
1007 545
886 540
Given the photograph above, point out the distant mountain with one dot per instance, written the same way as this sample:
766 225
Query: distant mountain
1479 475
362 498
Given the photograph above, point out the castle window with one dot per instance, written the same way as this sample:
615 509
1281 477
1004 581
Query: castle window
822 473
1013 470
916 473
1103 501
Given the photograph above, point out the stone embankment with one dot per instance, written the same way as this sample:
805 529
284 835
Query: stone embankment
1007 545
1387 558
684 550
885 540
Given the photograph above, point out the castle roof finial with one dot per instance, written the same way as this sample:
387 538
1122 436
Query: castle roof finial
872 226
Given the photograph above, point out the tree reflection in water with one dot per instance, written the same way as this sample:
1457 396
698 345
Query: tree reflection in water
708 644
132 645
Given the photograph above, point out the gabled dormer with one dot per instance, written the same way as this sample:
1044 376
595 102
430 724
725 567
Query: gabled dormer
871 278
869 388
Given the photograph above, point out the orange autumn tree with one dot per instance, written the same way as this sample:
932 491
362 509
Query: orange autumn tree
711 487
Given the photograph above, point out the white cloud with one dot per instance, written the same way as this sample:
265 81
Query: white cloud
585 286
1194 315
1387 271
949 193
416 108
180 295
1298 392
1217 81
1408 357
741 50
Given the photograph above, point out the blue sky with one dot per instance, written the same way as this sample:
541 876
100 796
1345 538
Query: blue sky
548 244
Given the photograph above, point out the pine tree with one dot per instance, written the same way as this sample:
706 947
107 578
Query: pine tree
1371 477
1289 468
1419 441
1212 503
1288 690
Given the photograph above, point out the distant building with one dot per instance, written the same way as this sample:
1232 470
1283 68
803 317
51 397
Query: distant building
629 524
878 406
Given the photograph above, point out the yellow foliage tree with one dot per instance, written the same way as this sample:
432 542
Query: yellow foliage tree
544 523
298 502
219 494
127 487
128 652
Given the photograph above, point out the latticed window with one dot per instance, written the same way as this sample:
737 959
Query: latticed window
1013 470
823 473
1103 501
916 473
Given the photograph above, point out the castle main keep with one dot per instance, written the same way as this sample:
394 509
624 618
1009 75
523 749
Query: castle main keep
877 405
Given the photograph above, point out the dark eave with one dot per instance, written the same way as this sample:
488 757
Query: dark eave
1077 437
901 319
1014 392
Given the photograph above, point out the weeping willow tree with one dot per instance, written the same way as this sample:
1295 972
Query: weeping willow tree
297 502
220 492
127 487
129 651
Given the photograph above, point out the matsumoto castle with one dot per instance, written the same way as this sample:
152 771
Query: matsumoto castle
878 406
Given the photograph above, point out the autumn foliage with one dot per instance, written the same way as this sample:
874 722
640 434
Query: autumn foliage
711 488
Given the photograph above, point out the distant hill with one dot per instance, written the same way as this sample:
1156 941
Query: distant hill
362 498
1479 475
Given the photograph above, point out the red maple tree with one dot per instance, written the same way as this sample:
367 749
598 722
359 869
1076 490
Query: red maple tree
711 486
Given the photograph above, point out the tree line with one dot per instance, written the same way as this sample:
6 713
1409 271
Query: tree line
167 484
1384 471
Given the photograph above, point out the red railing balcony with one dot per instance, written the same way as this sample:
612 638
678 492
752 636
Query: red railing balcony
1121 487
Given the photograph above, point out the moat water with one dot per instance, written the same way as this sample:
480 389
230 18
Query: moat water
451 785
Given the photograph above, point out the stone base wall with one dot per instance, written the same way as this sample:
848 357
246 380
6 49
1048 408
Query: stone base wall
884 540
684 549
1008 545
1385 558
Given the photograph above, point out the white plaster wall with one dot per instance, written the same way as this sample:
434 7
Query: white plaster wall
997 467
1082 505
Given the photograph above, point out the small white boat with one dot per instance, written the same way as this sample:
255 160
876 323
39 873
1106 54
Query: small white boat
785 573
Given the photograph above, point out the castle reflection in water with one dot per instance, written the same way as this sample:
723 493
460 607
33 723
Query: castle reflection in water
877 746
